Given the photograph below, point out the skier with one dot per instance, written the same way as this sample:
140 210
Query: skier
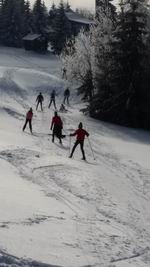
56 127
64 73
29 116
66 96
62 108
52 99
39 100
80 133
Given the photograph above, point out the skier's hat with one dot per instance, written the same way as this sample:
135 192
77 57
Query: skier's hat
80 125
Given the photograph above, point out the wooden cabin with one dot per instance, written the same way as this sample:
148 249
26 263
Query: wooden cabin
35 42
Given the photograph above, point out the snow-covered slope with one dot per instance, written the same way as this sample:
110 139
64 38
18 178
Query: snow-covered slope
56 211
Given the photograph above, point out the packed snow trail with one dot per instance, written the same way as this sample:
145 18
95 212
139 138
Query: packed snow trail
56 211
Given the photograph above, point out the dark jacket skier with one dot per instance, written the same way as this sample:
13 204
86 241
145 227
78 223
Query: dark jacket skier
66 96
39 100
64 73
81 134
52 99
29 116
56 127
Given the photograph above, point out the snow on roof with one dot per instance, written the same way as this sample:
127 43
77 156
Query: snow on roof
73 16
31 37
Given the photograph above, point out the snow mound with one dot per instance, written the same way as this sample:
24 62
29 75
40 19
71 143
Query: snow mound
20 87
23 81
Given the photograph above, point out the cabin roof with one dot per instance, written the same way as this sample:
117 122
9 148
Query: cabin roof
31 37
75 17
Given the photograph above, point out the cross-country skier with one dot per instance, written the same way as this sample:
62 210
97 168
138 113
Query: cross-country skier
29 116
66 96
81 134
64 73
52 99
56 127
39 100
62 108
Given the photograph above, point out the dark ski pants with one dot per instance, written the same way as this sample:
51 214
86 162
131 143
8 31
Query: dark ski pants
81 146
57 131
39 102
66 98
52 101
30 125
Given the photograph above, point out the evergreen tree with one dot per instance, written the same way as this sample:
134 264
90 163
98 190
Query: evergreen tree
40 17
62 30
67 6
21 7
11 23
52 14
28 20
129 55
105 8
121 76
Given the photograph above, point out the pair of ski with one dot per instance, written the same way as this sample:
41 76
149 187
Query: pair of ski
62 136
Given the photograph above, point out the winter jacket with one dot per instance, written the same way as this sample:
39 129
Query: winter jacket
56 121
67 92
29 115
53 94
80 133
40 98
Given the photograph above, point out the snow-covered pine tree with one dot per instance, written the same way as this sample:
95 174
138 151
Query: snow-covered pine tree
62 29
67 6
102 38
103 7
77 59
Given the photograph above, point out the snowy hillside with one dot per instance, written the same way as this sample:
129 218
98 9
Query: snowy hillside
61 212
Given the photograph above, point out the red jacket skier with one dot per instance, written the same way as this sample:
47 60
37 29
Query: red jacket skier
81 134
29 116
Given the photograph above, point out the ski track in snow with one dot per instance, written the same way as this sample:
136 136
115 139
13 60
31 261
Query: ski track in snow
107 234
7 260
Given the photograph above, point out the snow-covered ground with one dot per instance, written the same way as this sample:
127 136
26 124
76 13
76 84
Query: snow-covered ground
56 211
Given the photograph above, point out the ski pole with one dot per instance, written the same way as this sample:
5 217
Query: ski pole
64 131
91 148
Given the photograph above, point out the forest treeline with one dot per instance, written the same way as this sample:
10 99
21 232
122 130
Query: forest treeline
112 63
